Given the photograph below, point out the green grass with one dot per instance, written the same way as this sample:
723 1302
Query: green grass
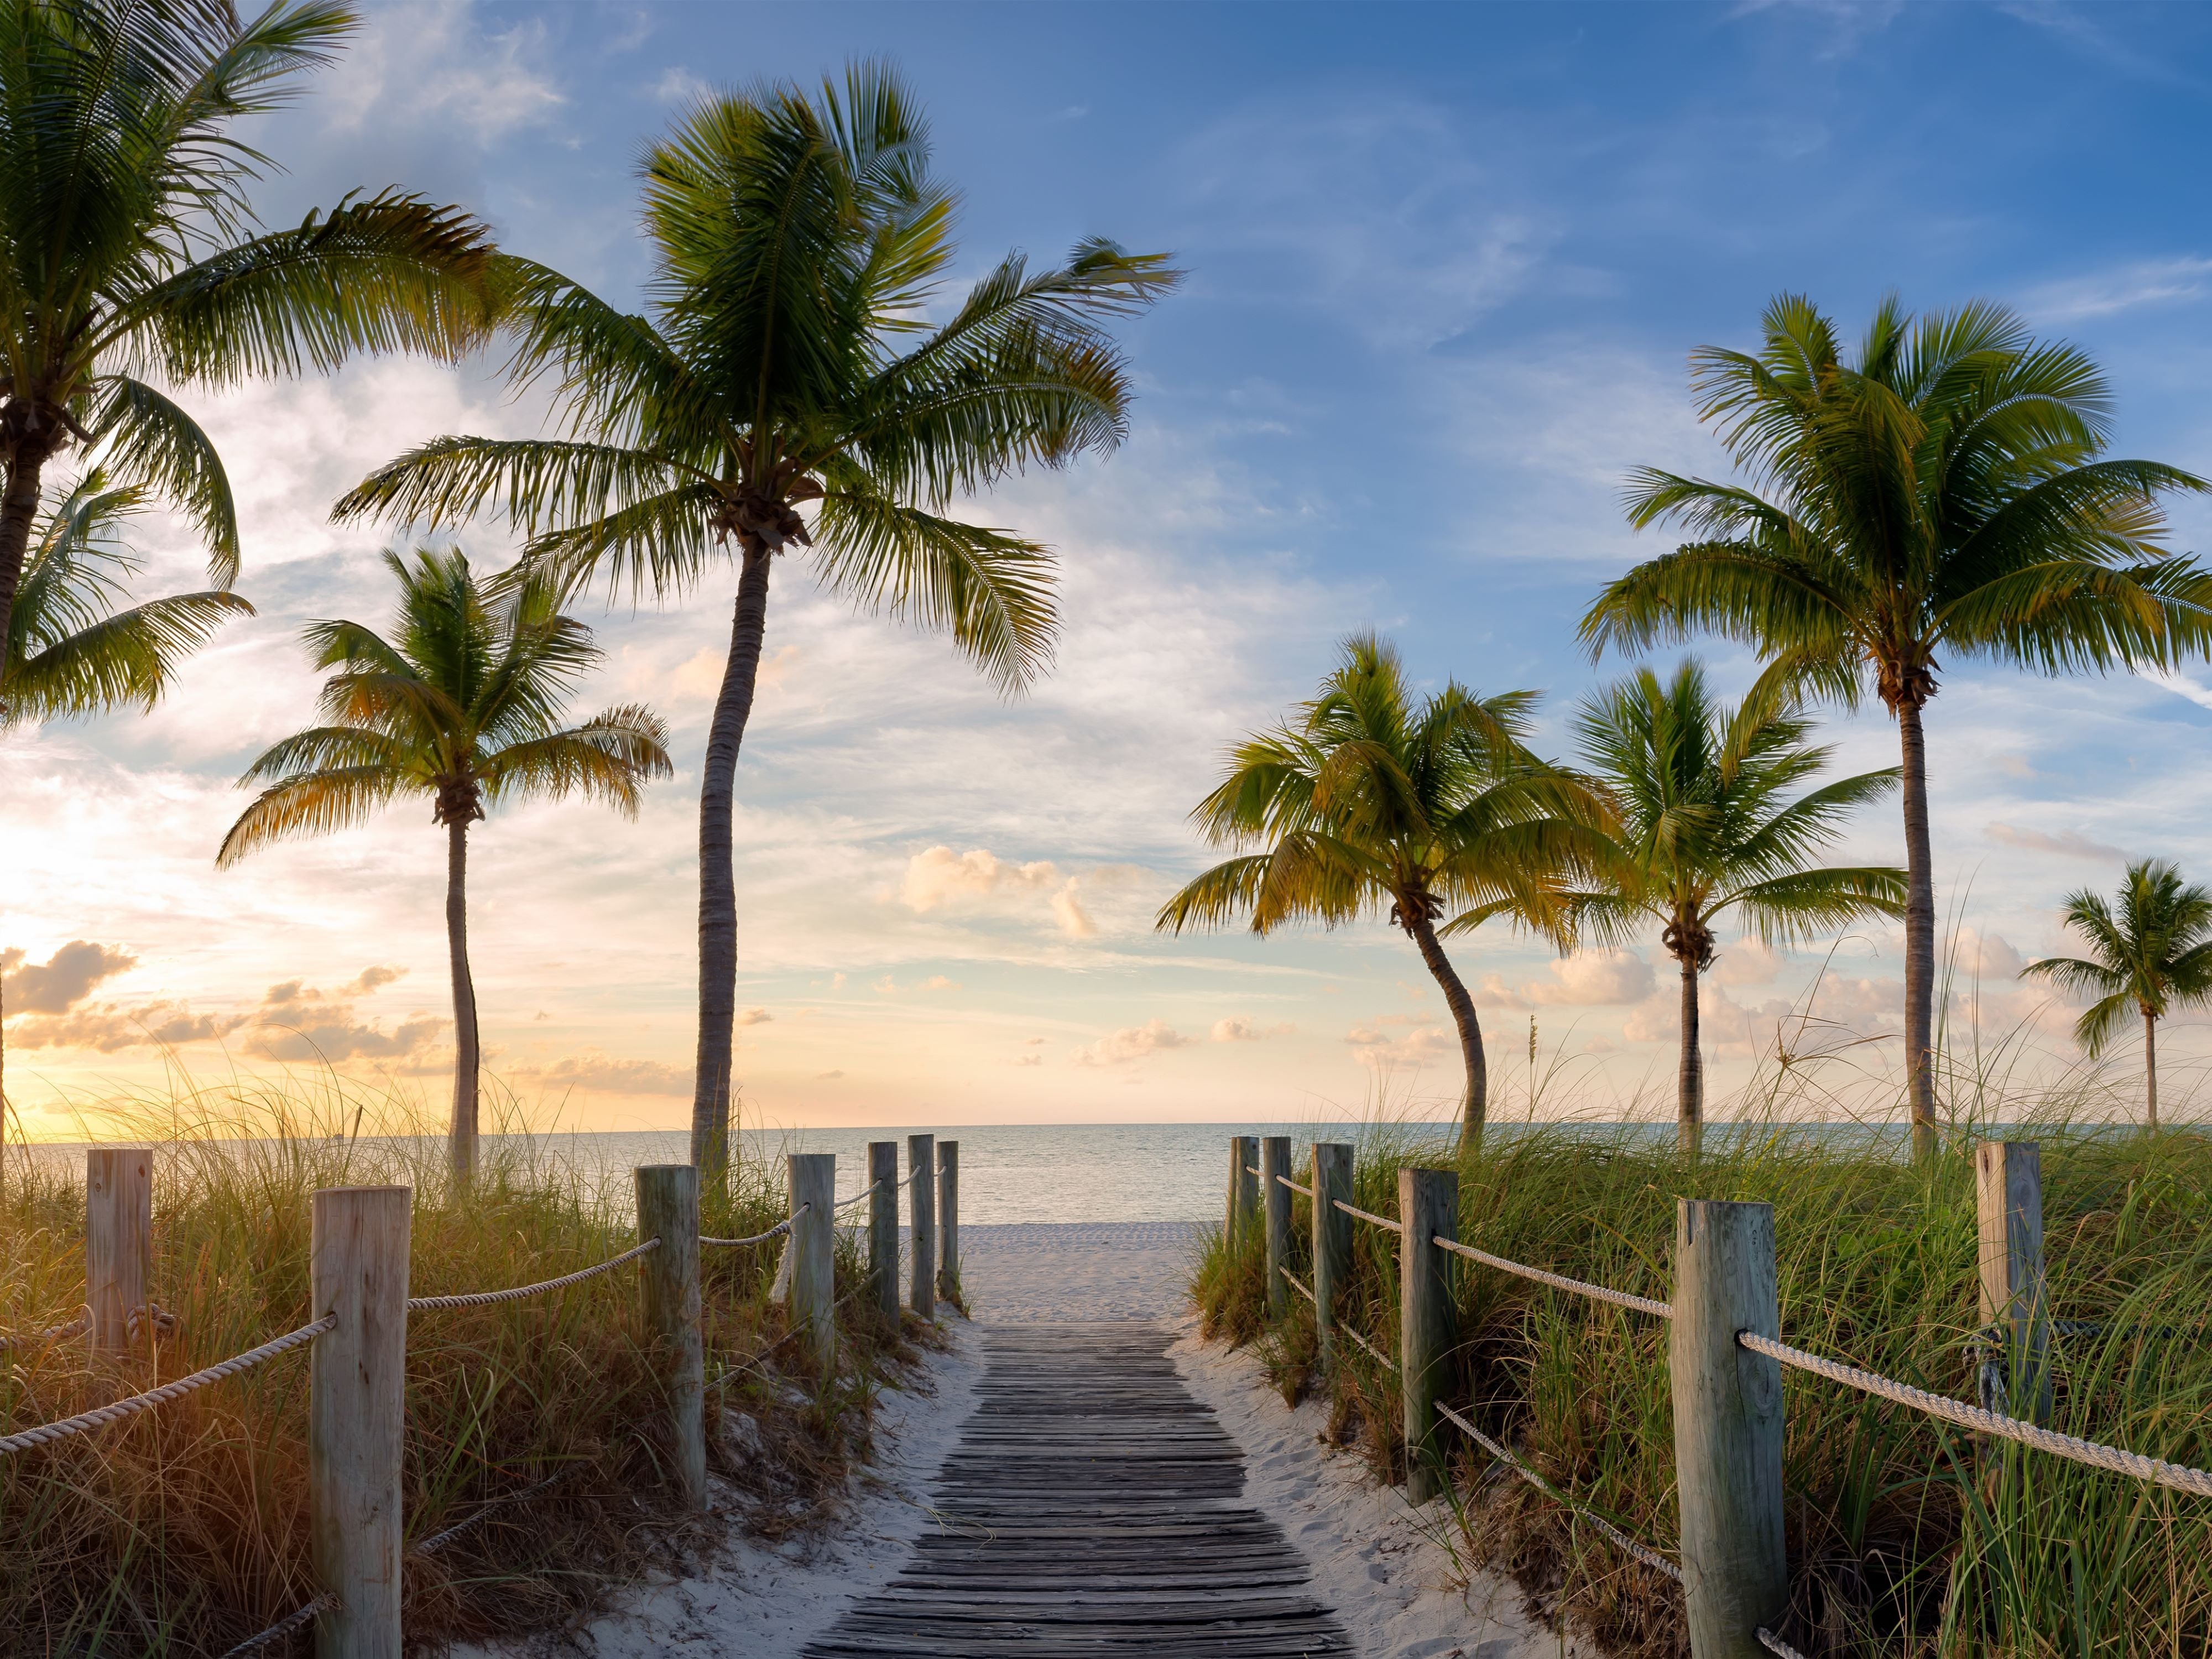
185 1530
1900 1541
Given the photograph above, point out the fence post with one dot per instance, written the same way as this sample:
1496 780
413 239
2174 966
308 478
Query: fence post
668 1209
813 1252
1332 1241
119 1239
2009 1204
1275 1206
356 1415
1428 1205
948 1219
921 1277
883 1228
1243 1190
1727 1426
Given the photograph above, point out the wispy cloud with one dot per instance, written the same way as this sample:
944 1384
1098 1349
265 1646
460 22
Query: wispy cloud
2177 281
2071 843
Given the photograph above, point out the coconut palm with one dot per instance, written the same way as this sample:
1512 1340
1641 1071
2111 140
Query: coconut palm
127 243
1371 799
1707 826
789 368
69 650
462 703
1943 493
2154 953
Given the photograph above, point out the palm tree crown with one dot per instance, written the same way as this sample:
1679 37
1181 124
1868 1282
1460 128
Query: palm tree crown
790 390
1945 492
1373 801
69 650
1707 825
463 704
127 245
2153 953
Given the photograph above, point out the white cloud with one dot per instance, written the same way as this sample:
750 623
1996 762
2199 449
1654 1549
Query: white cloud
1131 1043
2070 843
1588 979
1390 1041
1237 1028
941 876
1067 910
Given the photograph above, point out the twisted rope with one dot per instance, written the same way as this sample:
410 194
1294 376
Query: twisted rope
1300 1288
1644 1553
485 1298
865 1192
1381 1221
1354 1334
1774 1643
776 1231
1254 1172
438 1540
2119 1462
1307 1191
100 1416
1619 1298
284 1627
76 1327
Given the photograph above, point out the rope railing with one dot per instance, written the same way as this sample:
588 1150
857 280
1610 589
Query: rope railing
298 1619
1774 1643
1381 1221
2178 1476
1352 1332
776 1231
1644 1553
1302 1192
438 1540
1557 1281
864 1193
1297 1284
101 1416
486 1298
76 1327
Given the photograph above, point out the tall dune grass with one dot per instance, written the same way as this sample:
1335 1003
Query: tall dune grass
1904 1538
184 1531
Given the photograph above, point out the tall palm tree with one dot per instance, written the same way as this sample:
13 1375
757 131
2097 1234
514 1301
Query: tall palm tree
2155 953
1945 491
70 651
1370 799
127 245
463 703
789 368
1707 826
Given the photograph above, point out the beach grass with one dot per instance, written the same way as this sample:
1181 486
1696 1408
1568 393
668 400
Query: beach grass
184 1531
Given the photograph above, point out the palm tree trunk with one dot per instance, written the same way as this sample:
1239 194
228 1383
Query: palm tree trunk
461 1143
717 881
19 511
2150 1070
1919 935
1690 1101
1475 1104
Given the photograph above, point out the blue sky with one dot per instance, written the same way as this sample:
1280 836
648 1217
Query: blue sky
1446 264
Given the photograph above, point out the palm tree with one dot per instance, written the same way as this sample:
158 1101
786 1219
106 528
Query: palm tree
2155 953
70 651
1943 493
789 364
463 704
1706 826
1369 798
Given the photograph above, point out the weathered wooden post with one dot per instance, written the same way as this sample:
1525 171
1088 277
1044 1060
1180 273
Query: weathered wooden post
1428 1206
1727 1426
922 1239
356 1415
813 1246
883 1228
1275 1205
2015 1308
668 1210
1332 1237
119 1242
1243 1188
948 1218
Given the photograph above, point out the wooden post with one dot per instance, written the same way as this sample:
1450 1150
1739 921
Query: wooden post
1727 1426
922 1239
1243 1188
356 1415
1428 1205
948 1218
668 1209
2008 1202
1275 1205
883 1228
1332 1238
118 1241
813 1259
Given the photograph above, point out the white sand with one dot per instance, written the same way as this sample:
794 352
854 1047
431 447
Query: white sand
1373 1558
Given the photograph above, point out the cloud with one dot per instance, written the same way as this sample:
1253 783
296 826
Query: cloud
1378 1043
2068 842
1029 1060
1588 979
828 1077
63 980
941 876
1240 1030
297 1022
677 85
1984 956
1132 1042
370 981
1067 910
592 1070
1747 962
108 1028
754 1016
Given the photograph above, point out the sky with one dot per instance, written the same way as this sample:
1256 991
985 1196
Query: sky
1446 265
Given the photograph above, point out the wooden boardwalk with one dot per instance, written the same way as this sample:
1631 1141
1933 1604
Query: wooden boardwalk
1092 1508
